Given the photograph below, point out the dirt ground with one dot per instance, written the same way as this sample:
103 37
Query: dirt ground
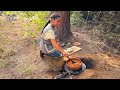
27 64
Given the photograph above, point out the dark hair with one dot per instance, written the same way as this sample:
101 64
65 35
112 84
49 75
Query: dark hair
53 16
46 24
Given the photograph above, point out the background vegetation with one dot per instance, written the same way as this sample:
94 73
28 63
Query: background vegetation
104 24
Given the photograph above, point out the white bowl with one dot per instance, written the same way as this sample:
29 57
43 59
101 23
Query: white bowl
69 49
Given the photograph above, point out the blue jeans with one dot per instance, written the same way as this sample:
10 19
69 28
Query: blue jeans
55 54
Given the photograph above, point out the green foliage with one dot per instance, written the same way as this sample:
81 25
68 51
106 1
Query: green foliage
9 12
76 18
105 25
27 71
3 63
31 23
35 19
29 14
40 18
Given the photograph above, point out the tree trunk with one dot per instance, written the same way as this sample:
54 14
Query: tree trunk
64 29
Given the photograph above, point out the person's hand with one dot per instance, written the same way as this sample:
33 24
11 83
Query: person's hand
65 54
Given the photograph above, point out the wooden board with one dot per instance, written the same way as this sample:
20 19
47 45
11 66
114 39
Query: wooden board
75 49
